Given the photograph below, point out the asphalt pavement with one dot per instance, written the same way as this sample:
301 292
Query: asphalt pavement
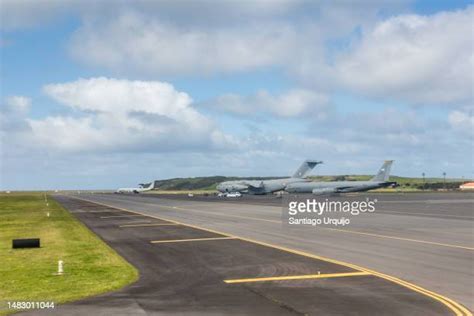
206 255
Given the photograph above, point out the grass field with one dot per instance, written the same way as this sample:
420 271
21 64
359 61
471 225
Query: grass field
90 266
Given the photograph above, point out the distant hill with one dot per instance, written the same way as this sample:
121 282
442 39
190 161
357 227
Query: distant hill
210 183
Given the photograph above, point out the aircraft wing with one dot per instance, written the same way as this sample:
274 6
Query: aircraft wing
253 184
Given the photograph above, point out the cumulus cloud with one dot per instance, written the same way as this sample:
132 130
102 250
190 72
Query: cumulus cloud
293 103
138 43
123 96
14 109
17 104
28 13
414 58
16 14
122 115
462 121
243 36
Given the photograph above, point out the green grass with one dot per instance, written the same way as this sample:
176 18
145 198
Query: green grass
91 267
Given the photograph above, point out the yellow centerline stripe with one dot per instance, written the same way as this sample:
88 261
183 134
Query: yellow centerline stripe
299 277
457 308
113 216
148 225
186 240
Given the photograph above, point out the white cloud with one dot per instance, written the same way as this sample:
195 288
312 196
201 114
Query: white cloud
462 121
419 59
142 44
293 103
17 104
14 109
413 58
244 36
123 115
19 14
123 96
16 14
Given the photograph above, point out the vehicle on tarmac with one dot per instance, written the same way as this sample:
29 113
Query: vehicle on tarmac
380 180
233 194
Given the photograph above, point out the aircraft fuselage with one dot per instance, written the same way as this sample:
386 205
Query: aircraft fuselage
336 186
257 186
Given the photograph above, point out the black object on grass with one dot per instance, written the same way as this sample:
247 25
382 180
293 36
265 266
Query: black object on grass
26 243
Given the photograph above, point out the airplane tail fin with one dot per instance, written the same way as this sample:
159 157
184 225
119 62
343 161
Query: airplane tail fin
149 186
305 168
384 172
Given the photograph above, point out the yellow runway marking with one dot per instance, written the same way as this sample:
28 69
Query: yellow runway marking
299 277
148 225
114 216
455 307
186 240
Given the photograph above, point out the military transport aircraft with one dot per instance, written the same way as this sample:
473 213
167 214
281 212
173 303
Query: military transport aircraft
268 186
380 180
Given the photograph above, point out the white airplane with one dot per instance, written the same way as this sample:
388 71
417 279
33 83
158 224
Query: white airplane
150 187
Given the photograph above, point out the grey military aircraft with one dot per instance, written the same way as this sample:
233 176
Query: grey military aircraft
259 187
380 180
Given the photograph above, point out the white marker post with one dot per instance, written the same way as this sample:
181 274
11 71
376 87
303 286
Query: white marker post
60 267
47 214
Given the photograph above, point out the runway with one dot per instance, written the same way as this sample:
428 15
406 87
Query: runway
425 240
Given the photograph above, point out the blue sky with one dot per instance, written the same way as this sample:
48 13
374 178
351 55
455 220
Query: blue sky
121 93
